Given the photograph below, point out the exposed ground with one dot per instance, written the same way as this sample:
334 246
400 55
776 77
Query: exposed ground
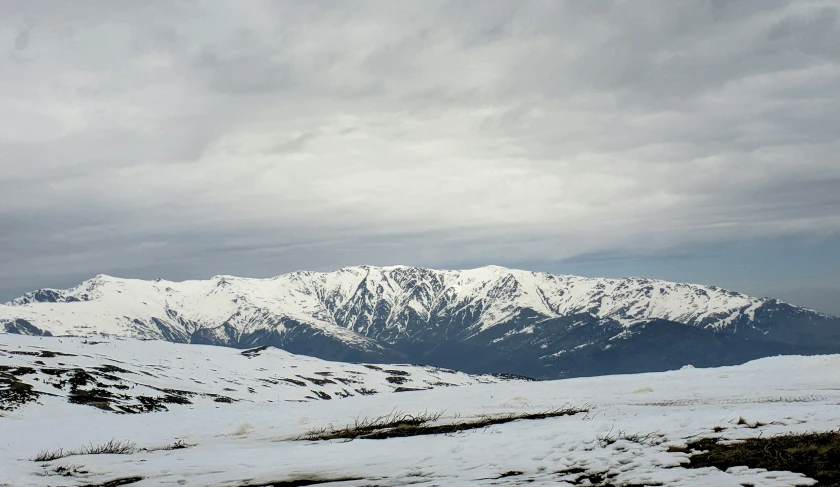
815 454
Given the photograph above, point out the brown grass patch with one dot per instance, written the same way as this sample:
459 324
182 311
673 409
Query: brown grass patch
816 455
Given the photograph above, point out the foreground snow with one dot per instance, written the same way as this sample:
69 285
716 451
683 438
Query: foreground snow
253 443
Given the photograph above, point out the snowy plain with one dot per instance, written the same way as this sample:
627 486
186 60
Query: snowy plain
254 441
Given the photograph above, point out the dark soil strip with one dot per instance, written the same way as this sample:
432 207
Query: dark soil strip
317 381
303 482
597 479
466 425
14 392
117 482
253 352
816 455
407 425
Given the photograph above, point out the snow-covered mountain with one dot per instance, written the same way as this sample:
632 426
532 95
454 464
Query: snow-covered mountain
489 319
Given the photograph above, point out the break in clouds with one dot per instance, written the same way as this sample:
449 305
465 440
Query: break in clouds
187 139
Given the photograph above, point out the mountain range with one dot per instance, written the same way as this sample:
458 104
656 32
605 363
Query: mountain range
485 320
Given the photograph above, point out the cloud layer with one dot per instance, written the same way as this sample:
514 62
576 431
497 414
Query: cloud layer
198 138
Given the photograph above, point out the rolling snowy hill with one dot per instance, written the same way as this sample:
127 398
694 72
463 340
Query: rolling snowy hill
133 376
489 319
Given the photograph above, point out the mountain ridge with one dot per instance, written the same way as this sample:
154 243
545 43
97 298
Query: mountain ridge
524 319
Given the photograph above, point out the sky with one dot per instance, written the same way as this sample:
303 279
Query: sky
692 141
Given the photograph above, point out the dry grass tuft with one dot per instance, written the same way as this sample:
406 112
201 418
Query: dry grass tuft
620 435
112 447
399 425
178 445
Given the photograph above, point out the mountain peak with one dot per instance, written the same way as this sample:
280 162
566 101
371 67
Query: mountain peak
496 268
103 278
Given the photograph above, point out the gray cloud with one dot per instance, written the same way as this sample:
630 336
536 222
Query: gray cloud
197 138
22 39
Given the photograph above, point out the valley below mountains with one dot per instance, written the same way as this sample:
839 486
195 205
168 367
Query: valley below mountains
486 320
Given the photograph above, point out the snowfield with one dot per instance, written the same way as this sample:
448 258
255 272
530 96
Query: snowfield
253 440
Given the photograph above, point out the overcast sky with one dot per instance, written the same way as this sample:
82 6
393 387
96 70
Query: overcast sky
692 141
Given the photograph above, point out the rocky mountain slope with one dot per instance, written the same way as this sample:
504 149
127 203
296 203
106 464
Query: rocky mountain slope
489 319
